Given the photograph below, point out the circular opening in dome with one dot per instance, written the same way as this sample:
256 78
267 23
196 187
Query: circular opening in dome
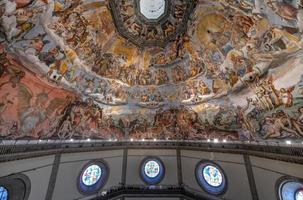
152 9
152 170
290 189
3 193
91 175
211 177
299 194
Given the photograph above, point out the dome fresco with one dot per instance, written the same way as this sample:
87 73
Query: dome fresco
100 69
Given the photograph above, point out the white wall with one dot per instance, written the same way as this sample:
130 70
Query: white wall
70 168
135 157
268 172
38 171
233 166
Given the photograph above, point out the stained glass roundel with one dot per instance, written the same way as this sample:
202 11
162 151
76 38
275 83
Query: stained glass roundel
3 193
290 189
152 170
211 177
93 177
299 195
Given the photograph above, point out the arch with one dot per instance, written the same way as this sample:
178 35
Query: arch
18 186
289 188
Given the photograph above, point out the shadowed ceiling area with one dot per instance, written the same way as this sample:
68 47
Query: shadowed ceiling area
163 69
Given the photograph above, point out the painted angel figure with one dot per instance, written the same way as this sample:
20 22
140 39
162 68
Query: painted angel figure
286 96
34 110
66 129
5 101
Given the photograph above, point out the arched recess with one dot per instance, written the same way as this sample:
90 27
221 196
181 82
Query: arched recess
288 188
17 185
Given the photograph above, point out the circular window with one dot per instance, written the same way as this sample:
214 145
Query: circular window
3 193
152 170
152 9
290 189
93 177
299 194
211 177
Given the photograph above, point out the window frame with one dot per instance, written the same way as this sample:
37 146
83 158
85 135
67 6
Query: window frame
95 188
284 180
204 185
18 186
156 180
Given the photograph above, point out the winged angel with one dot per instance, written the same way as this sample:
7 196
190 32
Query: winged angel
35 111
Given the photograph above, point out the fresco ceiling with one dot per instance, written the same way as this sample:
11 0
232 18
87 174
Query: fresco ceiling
170 69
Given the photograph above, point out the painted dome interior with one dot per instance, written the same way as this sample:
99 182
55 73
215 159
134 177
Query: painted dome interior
145 69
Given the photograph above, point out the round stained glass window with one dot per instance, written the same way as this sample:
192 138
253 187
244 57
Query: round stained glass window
3 193
152 170
290 189
299 195
211 177
93 177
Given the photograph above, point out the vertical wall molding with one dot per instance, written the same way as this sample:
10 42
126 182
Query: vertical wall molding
53 177
124 166
251 178
179 167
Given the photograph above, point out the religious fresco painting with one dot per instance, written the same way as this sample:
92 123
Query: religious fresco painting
176 69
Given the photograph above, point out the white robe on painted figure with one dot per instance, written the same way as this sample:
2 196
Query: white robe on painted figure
9 21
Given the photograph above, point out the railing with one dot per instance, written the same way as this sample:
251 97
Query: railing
27 148
152 191
285 143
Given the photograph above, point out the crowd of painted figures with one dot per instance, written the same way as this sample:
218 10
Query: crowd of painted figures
66 72
127 14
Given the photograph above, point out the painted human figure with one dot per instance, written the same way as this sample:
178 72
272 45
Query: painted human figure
66 129
300 119
5 101
279 125
286 97
298 122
